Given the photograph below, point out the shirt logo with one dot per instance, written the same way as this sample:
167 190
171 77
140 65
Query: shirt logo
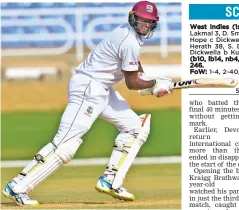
149 8
89 110
133 63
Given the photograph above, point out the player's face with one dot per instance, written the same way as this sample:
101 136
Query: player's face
144 25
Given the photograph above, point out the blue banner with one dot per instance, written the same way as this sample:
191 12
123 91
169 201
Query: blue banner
57 24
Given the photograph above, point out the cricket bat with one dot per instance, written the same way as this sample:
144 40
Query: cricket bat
205 82
198 83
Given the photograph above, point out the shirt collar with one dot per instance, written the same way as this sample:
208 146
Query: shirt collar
139 39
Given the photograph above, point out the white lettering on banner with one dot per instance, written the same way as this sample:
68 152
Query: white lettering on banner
84 33
232 11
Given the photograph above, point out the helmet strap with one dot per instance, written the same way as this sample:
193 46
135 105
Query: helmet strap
133 22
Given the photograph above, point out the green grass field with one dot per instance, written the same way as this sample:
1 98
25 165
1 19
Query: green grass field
155 187
24 133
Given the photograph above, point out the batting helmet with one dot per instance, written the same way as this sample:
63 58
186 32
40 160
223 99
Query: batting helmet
146 10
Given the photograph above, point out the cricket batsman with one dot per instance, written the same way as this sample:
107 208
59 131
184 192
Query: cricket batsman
90 96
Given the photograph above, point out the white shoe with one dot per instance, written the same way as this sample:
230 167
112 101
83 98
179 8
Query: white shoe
21 199
103 185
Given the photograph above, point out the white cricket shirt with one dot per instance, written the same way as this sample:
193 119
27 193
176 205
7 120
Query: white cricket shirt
118 51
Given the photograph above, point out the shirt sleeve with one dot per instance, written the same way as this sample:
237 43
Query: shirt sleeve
129 53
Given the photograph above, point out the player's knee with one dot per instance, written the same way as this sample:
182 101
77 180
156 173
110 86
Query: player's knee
118 145
136 125
44 152
68 130
138 134
67 150
145 128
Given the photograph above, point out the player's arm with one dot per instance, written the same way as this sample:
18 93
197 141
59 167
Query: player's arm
140 69
132 77
133 72
157 87
133 81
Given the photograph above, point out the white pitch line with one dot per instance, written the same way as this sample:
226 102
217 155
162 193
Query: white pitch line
98 161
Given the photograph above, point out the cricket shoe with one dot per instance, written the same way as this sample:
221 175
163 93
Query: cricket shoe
20 199
104 185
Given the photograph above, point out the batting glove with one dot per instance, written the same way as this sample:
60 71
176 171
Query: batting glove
163 86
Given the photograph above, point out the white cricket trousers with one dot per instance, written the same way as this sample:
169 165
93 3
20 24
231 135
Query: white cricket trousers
87 100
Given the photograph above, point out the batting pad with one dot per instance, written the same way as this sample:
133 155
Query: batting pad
63 154
127 160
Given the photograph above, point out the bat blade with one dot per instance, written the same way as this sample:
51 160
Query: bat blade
206 82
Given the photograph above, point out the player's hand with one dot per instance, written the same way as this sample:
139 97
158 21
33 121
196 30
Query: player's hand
149 91
145 92
162 87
